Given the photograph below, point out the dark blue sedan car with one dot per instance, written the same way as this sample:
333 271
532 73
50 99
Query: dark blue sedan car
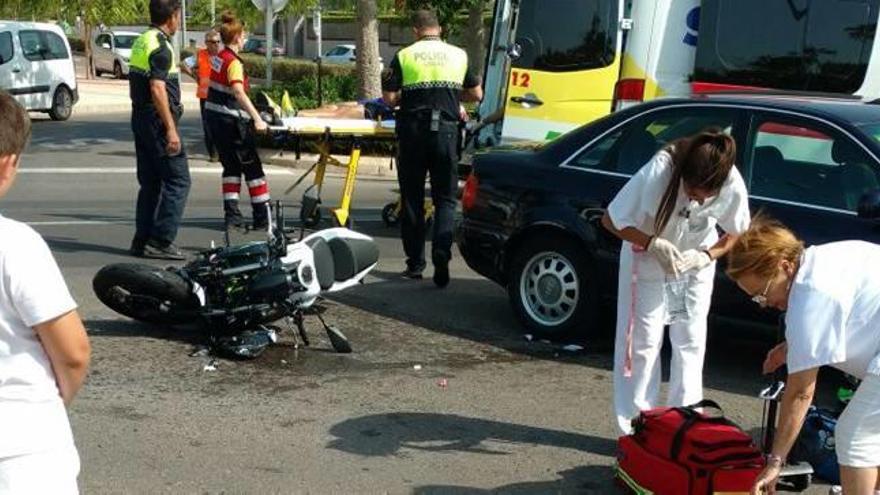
532 214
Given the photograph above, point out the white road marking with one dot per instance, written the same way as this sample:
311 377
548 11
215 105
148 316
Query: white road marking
69 223
269 170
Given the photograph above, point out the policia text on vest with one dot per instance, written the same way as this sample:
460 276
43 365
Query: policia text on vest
162 169
428 79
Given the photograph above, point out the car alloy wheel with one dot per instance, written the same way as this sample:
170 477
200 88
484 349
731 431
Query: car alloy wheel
549 288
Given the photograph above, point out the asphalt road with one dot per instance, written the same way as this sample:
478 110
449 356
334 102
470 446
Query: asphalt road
514 417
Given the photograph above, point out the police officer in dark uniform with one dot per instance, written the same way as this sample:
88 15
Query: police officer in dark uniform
428 79
162 169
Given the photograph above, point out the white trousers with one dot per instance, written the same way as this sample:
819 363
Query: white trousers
857 435
51 472
641 390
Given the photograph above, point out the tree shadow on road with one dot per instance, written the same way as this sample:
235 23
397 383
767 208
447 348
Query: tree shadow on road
582 479
388 434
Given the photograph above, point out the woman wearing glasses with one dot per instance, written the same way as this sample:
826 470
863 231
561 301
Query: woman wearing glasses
831 295
667 216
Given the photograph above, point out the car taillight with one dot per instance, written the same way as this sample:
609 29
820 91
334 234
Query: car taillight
469 195
628 92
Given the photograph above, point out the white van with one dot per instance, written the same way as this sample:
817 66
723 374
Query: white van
111 51
36 67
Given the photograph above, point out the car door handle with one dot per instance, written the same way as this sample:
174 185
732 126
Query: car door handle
16 70
527 100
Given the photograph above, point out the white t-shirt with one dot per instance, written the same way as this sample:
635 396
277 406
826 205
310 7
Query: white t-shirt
32 291
692 225
833 313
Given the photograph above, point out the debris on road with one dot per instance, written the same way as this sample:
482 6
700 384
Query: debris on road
200 351
573 348
211 366
443 383
417 367
529 337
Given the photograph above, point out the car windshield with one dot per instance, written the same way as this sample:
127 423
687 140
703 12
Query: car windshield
125 41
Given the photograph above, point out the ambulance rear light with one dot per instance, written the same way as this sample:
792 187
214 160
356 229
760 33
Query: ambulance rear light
469 195
628 92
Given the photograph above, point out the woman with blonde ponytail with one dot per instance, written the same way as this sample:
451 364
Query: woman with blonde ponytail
233 120
667 216
831 296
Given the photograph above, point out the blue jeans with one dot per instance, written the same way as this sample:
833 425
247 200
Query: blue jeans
164 180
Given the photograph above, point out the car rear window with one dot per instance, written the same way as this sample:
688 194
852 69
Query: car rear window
800 45
5 47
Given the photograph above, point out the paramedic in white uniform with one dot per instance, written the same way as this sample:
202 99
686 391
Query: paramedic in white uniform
666 216
831 293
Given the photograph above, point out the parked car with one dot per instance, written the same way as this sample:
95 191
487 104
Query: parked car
36 67
258 46
343 54
111 51
532 214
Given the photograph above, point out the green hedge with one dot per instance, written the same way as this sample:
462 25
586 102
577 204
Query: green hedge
300 79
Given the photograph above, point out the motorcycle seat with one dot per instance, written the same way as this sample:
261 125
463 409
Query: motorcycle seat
352 256
323 255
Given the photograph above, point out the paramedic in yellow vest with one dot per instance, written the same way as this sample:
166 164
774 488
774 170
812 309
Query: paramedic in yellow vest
162 169
428 80
198 67
233 120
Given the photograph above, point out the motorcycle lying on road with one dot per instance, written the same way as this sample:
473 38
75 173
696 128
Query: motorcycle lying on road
236 292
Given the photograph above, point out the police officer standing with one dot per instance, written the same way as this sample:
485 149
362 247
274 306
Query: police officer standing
428 79
162 169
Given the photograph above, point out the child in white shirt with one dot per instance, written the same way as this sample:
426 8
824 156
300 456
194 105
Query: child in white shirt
44 349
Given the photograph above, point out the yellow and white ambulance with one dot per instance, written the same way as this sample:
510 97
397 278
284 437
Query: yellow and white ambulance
554 65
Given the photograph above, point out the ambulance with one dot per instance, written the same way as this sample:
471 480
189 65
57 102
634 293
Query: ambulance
554 65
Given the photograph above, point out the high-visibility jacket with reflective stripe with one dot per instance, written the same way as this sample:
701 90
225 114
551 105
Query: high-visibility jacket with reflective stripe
431 63
153 57
203 64
220 96
431 76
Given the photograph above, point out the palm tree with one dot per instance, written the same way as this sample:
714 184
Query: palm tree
368 66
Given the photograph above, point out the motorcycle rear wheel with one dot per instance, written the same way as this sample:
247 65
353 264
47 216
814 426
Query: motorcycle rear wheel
146 293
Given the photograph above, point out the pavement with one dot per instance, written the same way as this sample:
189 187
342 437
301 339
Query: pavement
442 393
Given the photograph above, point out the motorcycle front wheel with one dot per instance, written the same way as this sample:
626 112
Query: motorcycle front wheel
146 293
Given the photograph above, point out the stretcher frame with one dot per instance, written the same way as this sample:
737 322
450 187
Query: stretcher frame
328 136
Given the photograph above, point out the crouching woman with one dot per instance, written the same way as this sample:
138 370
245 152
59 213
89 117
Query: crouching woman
831 293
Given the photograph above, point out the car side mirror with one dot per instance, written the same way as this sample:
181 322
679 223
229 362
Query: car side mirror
869 205
514 51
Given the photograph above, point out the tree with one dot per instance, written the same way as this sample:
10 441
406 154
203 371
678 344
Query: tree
368 66
109 12
448 13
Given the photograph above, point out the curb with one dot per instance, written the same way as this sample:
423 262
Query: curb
375 167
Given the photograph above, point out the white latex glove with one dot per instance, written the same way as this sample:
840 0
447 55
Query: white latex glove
693 259
666 253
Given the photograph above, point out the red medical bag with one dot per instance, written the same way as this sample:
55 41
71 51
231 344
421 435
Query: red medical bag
681 451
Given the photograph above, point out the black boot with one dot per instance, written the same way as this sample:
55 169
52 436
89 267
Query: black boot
261 215
232 214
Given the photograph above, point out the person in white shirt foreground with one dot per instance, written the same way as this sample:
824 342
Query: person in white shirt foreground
44 350
831 295
667 214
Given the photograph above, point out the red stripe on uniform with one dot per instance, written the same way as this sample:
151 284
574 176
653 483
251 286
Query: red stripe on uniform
230 188
259 190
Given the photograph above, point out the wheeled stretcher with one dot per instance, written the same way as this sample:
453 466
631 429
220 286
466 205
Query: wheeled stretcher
329 132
